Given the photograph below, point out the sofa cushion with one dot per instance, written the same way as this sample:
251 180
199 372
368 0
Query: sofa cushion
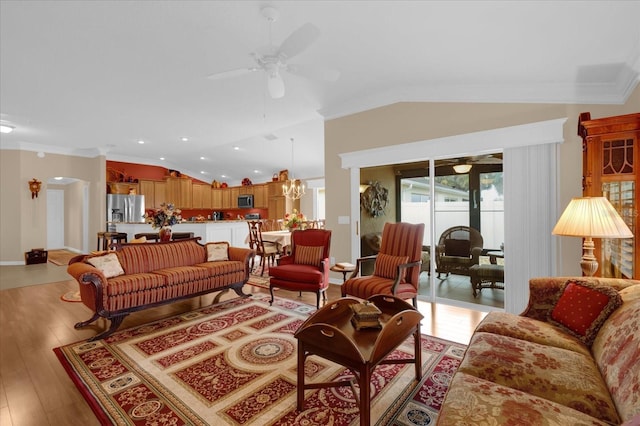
217 251
583 307
474 401
108 264
141 258
387 266
182 274
566 377
616 351
458 248
297 273
531 330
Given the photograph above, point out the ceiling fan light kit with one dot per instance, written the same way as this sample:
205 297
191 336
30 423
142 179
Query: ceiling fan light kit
273 60
462 168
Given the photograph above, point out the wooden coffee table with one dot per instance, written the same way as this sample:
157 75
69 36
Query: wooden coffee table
329 334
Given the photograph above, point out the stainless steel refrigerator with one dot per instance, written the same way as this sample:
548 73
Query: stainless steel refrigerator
125 208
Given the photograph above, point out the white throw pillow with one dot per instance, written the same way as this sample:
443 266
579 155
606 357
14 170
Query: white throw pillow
217 251
108 264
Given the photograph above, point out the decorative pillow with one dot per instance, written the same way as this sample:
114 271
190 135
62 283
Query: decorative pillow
108 264
217 251
460 248
308 255
583 307
387 266
140 240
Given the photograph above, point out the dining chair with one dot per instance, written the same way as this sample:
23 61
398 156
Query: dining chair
307 267
265 249
397 265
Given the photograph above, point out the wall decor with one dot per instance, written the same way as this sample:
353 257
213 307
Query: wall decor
374 199
34 187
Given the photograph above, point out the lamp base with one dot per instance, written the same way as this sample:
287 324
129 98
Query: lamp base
589 264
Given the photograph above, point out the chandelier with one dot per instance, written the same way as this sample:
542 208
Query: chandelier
292 188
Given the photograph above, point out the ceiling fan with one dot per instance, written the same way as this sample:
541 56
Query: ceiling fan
273 60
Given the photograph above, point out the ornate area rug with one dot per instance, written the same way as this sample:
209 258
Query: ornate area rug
235 364
259 281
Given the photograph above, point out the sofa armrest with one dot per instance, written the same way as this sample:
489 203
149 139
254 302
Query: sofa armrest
92 281
241 254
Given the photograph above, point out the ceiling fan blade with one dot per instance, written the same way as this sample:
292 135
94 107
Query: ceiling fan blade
314 73
298 41
232 73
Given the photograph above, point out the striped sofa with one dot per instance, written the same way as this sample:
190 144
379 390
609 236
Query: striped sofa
139 276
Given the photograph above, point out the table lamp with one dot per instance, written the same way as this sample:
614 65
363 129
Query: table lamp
591 217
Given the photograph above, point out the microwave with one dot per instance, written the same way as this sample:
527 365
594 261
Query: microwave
245 201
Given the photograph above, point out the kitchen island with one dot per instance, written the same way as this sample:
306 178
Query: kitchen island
233 231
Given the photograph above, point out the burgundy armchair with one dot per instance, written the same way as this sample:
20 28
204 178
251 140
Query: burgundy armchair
397 265
307 267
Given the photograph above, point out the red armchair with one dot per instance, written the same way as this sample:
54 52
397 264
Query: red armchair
307 268
397 265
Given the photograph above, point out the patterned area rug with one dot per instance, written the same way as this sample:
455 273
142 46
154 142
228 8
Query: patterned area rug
235 364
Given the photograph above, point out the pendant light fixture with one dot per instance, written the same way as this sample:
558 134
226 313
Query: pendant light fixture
292 188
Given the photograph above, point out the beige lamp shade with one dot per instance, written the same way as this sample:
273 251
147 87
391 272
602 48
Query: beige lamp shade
593 217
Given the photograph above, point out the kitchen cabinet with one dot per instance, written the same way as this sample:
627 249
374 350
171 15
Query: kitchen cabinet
154 193
201 196
226 199
216 198
260 199
611 158
179 192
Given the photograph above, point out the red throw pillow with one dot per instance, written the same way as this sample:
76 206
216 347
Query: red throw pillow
387 266
583 307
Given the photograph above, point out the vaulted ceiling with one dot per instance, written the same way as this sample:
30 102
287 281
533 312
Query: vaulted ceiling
99 76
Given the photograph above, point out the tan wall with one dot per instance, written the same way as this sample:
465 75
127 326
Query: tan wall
410 122
23 221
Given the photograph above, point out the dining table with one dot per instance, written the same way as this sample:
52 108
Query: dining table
281 238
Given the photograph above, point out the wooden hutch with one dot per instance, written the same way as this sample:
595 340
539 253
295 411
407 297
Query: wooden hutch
611 163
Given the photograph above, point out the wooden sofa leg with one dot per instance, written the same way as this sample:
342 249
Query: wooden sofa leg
87 322
115 323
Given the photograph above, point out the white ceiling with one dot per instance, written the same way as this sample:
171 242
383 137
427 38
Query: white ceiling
97 76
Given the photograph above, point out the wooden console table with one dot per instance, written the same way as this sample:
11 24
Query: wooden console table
329 334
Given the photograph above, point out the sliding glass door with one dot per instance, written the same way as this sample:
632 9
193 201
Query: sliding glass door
470 199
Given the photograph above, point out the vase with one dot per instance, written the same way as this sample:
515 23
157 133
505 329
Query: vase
165 234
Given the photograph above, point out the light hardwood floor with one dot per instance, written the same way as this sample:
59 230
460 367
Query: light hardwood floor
35 389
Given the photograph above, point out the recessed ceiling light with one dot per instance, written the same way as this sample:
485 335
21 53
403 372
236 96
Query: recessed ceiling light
223 176
202 158
5 128
256 171
184 139
58 178
141 142
204 173
162 158
237 148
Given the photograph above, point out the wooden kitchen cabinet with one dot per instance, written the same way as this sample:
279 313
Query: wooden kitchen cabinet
201 196
154 193
179 192
611 158
260 199
226 199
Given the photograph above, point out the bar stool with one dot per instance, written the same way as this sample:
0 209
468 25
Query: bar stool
108 237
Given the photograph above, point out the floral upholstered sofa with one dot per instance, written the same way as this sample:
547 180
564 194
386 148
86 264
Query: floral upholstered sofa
139 276
572 358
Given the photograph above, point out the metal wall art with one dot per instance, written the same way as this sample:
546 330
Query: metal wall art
374 199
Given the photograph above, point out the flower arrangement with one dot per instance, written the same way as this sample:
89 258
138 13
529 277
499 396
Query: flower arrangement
166 215
293 220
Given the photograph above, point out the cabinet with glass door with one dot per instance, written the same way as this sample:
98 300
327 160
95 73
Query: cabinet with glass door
611 159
